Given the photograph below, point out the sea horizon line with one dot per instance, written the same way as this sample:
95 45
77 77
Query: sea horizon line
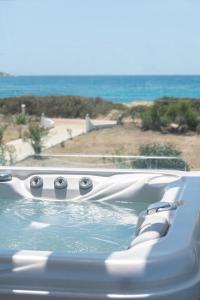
104 75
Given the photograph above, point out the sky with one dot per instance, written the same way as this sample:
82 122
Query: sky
99 37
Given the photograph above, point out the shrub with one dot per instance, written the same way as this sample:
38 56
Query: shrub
154 119
157 149
60 106
120 162
183 113
7 155
147 122
162 114
198 129
35 135
21 119
135 111
7 152
2 131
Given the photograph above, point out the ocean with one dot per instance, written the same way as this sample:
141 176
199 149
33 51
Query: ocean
114 88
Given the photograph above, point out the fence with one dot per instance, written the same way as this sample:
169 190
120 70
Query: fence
107 161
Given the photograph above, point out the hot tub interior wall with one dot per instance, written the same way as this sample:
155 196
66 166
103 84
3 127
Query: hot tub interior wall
124 187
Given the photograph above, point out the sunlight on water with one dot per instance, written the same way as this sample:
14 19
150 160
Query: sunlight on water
68 226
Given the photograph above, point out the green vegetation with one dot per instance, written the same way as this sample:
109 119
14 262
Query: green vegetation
119 162
2 131
21 119
152 149
59 106
157 149
7 153
136 111
172 116
146 150
35 135
198 129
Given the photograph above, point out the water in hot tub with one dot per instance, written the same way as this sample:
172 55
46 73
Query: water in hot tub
68 226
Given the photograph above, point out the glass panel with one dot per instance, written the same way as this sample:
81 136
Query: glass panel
104 161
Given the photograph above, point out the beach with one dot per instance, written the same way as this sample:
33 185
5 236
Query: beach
68 135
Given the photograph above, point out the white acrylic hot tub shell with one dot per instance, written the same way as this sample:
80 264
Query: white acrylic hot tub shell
165 268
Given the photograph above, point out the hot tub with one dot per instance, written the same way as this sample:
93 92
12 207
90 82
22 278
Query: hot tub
99 234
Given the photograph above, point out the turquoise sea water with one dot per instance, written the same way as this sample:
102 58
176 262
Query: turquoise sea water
115 88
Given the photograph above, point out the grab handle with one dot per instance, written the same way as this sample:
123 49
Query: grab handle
160 206
5 176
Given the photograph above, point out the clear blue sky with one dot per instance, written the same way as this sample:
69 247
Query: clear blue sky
100 36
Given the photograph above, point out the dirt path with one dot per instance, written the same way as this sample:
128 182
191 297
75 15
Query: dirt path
64 130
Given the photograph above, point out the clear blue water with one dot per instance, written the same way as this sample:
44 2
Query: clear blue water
71 227
115 88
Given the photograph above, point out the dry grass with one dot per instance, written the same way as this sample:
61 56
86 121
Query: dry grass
127 140
13 132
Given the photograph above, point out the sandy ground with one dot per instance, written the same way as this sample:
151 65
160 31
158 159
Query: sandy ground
64 129
137 103
118 140
127 140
